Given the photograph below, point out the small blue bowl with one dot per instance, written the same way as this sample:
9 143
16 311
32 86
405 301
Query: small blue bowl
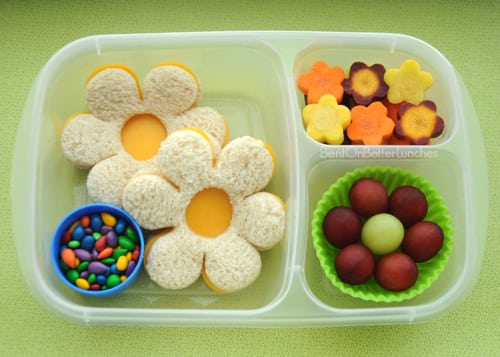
93 212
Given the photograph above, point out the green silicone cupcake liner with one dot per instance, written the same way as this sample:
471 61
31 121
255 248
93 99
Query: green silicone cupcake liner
338 195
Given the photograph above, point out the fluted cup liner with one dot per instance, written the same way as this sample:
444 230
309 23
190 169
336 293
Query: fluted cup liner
338 195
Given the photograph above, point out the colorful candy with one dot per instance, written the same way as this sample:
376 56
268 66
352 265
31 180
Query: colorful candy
68 257
99 252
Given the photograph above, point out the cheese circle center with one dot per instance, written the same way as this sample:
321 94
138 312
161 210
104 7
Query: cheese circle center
142 135
209 213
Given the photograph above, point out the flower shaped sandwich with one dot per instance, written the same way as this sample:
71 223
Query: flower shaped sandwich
126 124
212 204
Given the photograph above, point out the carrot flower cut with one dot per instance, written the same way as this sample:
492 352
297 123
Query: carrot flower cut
370 125
365 83
419 123
322 80
326 120
407 83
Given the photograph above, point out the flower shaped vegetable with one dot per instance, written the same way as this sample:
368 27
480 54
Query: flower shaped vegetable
370 125
326 120
365 83
322 80
407 83
127 123
217 218
419 123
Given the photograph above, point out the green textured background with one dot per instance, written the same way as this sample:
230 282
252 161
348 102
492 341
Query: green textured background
467 33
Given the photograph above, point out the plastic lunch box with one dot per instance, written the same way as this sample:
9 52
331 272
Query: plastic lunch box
250 77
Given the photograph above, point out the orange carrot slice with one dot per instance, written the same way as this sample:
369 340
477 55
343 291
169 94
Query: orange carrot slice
392 109
370 125
322 80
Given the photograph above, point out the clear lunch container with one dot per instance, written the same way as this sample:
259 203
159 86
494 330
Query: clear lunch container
251 78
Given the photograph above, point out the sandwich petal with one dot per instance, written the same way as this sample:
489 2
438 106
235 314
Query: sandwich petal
113 93
231 263
244 166
152 201
185 158
174 259
204 118
260 219
108 178
170 89
86 140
